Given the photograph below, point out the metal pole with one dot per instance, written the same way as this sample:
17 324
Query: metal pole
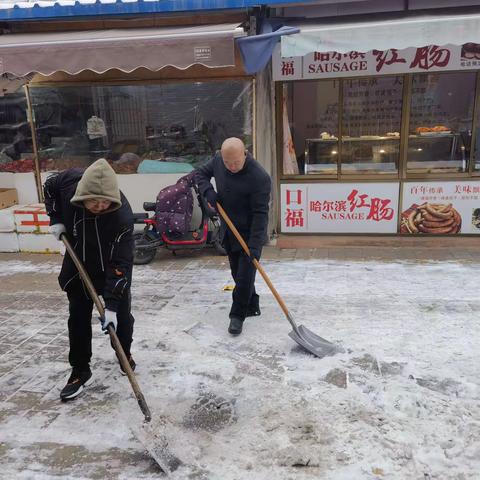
31 121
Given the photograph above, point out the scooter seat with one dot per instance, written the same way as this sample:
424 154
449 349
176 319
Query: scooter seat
149 206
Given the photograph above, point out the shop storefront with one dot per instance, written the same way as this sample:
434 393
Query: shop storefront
380 140
155 102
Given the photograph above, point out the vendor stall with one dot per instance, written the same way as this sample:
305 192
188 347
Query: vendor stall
379 132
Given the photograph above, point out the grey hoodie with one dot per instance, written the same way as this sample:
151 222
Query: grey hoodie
98 181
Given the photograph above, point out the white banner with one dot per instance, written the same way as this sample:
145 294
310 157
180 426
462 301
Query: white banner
441 208
339 207
376 62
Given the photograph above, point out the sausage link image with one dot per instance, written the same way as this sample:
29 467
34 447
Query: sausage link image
443 230
431 218
437 213
411 223
445 223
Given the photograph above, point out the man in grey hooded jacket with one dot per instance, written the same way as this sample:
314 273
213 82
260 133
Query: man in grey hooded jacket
89 207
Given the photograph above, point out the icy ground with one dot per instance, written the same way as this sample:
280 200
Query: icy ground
402 402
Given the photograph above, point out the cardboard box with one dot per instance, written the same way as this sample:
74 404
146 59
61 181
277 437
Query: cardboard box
8 197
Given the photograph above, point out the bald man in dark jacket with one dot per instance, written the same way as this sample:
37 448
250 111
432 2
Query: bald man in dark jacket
243 188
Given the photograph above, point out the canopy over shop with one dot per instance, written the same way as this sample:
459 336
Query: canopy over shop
99 51
150 100
380 131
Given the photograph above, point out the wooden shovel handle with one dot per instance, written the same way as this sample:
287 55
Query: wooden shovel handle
234 230
122 358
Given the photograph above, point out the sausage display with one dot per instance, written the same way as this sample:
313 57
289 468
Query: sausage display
431 218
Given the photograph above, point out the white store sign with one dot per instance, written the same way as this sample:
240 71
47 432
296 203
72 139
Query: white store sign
339 207
453 207
317 65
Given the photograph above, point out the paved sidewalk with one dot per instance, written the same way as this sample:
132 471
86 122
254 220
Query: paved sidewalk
42 438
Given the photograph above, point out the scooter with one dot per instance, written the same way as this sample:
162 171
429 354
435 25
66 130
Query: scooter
149 240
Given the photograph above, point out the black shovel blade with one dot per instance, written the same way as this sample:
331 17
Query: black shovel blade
318 346
152 437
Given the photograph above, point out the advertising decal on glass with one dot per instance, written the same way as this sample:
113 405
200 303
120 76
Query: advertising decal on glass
340 208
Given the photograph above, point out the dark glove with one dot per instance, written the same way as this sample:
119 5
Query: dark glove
211 198
255 253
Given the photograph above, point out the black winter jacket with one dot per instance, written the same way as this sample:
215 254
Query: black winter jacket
104 243
245 197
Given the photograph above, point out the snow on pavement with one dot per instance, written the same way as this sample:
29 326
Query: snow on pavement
401 402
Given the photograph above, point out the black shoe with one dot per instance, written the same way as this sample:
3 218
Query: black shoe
132 363
236 325
80 378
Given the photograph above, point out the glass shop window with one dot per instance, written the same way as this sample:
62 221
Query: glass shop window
371 121
16 146
168 128
310 127
441 114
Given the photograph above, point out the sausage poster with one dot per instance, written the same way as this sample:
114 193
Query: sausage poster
340 207
441 208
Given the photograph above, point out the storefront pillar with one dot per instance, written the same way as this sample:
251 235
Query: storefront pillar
265 137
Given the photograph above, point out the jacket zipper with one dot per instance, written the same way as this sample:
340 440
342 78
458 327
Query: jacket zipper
99 245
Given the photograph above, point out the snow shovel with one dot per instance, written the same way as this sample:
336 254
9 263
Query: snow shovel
300 334
155 444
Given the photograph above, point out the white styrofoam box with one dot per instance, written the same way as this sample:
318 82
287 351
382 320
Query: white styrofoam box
7 219
35 243
31 218
9 242
26 188
7 180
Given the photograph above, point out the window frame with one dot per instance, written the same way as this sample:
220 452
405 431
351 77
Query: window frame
128 82
402 174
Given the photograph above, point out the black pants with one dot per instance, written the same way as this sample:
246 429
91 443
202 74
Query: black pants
80 326
244 295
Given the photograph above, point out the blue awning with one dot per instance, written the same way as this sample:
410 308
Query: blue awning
256 50
47 10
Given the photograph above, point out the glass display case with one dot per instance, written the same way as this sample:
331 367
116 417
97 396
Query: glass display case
438 152
321 156
373 153
359 154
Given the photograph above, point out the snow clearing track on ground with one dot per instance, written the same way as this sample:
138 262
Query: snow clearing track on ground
402 401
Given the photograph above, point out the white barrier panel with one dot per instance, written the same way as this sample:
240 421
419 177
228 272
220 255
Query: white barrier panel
9 242
7 219
35 243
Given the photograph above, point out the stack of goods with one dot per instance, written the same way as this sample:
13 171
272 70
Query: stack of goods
127 163
436 129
